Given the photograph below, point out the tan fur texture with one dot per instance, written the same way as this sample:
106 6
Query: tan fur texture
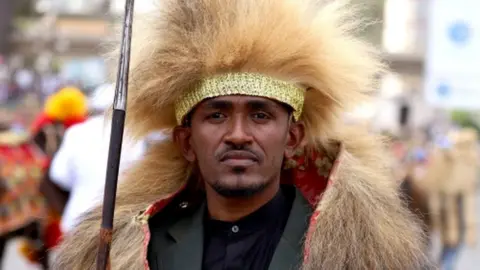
362 223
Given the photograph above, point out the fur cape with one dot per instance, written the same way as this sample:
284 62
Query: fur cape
362 223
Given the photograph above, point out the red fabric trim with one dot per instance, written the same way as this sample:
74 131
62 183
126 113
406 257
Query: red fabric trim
308 238
152 210
309 178
160 205
314 218
146 241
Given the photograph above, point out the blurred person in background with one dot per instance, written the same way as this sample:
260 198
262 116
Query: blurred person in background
61 111
413 189
22 207
450 181
80 164
458 188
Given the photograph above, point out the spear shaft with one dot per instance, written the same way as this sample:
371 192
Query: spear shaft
116 138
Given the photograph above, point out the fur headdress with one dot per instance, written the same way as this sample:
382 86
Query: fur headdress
300 42
310 43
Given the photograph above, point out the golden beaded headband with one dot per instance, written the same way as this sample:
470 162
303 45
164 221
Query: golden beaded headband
251 84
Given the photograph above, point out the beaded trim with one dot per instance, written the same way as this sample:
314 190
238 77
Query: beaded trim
251 84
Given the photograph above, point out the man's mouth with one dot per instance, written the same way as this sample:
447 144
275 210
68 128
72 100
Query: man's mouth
238 159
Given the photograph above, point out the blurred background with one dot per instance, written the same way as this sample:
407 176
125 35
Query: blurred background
429 106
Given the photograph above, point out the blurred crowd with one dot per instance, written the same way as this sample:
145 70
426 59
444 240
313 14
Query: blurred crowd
438 176
54 160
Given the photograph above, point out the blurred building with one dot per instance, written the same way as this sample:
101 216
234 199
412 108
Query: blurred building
404 42
66 38
62 37
6 19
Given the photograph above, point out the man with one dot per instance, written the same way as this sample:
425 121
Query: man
258 173
61 111
80 164
454 191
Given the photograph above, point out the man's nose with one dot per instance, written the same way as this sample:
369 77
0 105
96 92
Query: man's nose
239 133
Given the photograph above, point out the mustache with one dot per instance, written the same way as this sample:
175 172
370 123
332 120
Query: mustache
244 151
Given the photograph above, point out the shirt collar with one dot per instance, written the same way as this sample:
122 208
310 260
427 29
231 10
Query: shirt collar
268 214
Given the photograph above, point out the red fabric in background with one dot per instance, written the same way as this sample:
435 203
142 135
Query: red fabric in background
53 233
43 120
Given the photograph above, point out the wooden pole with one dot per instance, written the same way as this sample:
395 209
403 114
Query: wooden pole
116 138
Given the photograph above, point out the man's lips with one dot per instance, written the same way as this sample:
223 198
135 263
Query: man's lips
238 158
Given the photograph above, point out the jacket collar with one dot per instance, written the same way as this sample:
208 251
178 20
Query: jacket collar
187 253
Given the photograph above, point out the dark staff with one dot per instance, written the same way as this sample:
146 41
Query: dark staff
116 138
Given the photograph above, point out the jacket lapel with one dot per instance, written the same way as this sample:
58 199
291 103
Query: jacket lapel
289 252
187 252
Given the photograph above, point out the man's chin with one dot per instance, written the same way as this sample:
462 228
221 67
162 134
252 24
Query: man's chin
238 192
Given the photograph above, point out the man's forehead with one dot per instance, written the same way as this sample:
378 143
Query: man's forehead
239 100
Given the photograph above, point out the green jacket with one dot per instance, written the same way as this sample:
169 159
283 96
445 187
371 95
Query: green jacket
178 245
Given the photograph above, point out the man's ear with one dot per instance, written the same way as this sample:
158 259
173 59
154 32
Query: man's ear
181 137
296 137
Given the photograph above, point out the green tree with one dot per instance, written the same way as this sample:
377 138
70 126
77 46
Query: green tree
465 119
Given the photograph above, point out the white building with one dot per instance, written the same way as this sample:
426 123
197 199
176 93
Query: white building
404 39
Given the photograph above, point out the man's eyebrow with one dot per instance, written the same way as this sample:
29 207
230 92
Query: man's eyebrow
260 104
217 104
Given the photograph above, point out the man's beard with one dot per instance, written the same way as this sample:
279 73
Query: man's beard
243 192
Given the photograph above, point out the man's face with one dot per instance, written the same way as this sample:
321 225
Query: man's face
239 142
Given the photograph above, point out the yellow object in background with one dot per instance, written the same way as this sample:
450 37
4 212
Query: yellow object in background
68 103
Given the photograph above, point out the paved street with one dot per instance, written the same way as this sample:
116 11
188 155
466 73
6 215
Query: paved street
470 258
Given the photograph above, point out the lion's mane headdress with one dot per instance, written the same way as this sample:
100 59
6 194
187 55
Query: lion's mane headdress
187 44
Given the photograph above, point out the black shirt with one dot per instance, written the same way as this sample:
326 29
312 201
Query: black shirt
248 244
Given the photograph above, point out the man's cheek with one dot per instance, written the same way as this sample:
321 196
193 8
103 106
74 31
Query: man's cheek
207 158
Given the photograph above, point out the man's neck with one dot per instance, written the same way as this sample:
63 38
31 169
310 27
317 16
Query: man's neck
232 209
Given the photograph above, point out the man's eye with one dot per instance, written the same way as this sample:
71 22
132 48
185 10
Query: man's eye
216 115
260 116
